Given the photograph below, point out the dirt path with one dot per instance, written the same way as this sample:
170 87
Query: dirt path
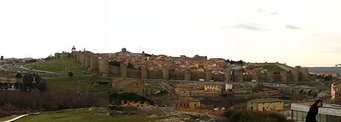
12 118
2 119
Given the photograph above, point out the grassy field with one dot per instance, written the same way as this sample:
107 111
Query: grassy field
58 65
73 116
58 84
81 83
11 69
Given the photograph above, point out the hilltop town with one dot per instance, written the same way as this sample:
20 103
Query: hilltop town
153 84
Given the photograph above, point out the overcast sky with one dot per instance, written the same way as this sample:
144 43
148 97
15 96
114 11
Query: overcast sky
296 32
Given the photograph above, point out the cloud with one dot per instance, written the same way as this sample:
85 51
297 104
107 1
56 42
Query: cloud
247 27
292 27
259 10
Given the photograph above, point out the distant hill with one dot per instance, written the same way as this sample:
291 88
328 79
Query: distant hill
325 69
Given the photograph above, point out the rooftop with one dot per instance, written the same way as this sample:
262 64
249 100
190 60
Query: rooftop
264 100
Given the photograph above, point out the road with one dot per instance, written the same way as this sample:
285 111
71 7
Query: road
36 70
12 118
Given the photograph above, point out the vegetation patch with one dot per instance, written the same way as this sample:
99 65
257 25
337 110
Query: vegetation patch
83 116
81 84
250 116
58 65
116 98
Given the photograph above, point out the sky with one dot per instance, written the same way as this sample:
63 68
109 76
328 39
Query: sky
295 32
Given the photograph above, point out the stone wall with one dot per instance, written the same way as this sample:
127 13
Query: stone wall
165 74
144 72
188 75
284 76
177 75
196 75
208 73
218 77
97 61
115 70
87 60
123 70
93 62
133 73
227 75
154 74
238 76
103 66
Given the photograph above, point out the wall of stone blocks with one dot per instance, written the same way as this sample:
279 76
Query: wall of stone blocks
103 65
154 74
115 70
82 58
294 76
208 74
165 74
123 70
227 75
247 77
144 72
94 62
284 76
218 77
255 76
87 60
238 76
176 75
133 73
198 75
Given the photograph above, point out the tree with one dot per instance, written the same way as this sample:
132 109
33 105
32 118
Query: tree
27 82
42 86
18 75
249 116
328 78
2 58
70 74
116 98
30 81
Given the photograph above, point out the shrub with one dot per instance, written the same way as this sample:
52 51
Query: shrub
247 116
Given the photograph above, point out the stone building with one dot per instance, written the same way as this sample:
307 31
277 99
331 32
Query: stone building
186 102
212 87
266 104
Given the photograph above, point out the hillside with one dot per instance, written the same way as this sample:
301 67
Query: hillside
82 84
58 65
84 115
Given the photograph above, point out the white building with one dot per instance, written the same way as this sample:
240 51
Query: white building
228 87
335 89
212 87
327 113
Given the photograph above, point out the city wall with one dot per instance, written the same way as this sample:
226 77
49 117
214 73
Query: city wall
105 67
